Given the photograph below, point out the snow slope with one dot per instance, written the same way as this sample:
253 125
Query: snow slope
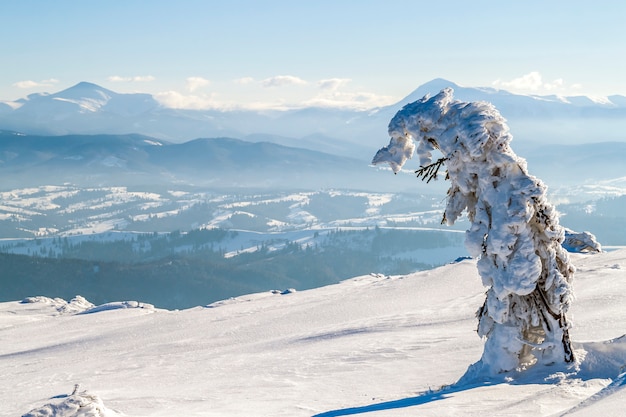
372 345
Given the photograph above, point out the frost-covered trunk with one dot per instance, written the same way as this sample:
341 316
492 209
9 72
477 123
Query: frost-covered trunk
514 231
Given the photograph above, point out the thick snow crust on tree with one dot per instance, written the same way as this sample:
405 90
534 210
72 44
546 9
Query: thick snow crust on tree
515 232
581 242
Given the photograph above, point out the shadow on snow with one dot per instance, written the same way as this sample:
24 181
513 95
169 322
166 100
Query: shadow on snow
604 360
424 398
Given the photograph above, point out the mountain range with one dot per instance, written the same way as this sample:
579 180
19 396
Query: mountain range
90 135
133 159
87 108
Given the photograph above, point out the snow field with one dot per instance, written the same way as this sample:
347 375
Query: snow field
372 345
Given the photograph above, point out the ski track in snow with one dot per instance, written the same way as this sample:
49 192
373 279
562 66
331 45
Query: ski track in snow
372 346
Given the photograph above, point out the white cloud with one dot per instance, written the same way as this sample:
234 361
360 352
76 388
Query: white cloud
26 84
333 84
334 94
329 93
176 100
281 80
35 84
533 83
144 78
244 80
138 78
194 83
118 79
50 81
356 100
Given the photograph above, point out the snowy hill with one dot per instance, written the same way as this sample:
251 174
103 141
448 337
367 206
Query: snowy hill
372 345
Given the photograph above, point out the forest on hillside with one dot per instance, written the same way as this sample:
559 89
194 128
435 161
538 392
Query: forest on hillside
181 270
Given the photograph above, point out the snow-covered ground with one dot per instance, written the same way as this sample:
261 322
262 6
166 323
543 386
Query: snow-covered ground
371 346
53 211
68 210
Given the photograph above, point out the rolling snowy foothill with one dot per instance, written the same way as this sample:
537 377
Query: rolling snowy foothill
373 345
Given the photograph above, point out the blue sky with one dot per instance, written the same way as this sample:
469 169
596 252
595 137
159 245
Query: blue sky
290 53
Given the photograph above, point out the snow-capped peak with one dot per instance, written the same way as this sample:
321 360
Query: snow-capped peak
88 96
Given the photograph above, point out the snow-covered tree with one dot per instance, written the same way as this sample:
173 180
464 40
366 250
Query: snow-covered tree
514 232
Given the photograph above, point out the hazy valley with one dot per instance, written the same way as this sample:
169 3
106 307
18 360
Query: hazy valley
177 248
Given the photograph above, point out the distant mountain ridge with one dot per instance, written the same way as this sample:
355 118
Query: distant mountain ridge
499 96
93 135
133 159
87 108
87 160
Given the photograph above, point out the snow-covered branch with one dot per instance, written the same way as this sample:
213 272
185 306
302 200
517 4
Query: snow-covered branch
429 172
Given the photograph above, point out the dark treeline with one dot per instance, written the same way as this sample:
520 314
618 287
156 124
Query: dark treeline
181 270
167 276
145 246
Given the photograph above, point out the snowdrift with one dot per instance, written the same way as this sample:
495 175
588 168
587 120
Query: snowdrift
77 404
373 345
